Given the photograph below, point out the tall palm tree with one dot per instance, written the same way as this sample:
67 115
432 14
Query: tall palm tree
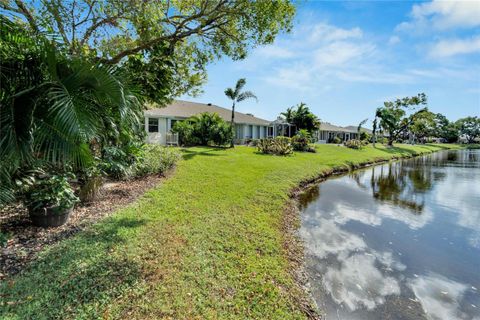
237 95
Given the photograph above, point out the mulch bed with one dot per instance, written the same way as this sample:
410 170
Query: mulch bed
25 240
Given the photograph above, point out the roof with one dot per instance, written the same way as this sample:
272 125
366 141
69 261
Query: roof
186 109
356 127
325 126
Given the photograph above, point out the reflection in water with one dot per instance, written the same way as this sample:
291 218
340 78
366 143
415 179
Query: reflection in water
399 241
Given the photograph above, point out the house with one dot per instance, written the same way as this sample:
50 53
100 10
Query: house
328 132
159 122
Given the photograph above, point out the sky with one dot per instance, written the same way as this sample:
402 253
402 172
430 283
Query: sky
344 59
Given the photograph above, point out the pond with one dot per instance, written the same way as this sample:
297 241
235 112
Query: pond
397 241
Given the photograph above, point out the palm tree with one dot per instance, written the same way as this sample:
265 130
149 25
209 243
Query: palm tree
236 95
289 114
54 107
360 125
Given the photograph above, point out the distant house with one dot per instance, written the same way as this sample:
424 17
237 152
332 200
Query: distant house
159 122
328 132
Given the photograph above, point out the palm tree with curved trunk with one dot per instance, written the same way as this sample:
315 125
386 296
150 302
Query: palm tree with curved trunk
237 95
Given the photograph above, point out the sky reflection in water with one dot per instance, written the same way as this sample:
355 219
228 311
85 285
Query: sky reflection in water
398 241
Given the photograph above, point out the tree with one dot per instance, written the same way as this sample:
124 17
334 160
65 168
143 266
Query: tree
289 114
469 127
54 107
445 129
360 125
189 34
301 116
393 115
237 95
204 129
422 125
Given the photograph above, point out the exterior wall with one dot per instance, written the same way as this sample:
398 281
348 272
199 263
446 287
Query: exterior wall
159 137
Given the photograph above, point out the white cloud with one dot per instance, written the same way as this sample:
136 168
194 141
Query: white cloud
340 52
440 297
394 40
443 15
323 32
448 48
358 283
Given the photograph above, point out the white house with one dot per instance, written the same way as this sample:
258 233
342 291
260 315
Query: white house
159 121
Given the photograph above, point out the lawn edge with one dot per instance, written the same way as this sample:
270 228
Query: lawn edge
293 247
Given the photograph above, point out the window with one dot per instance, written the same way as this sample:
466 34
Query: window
172 123
152 125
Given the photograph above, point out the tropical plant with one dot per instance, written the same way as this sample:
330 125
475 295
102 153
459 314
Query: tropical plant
393 118
57 109
469 127
336 140
365 136
237 95
204 129
360 125
156 159
277 146
353 144
302 118
49 191
301 141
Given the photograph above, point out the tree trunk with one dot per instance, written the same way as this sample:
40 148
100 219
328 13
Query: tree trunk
232 125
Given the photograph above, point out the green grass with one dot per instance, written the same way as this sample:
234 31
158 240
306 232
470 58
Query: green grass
206 243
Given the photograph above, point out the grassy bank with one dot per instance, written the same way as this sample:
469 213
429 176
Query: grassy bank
207 243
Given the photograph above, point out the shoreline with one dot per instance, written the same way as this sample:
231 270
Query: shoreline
291 224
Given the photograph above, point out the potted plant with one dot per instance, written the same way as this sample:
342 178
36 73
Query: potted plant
49 199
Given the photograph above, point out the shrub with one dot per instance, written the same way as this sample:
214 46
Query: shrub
156 159
365 136
204 129
336 140
253 142
48 190
117 163
353 144
278 146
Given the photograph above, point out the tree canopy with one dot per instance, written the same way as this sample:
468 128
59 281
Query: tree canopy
393 116
469 127
185 35
301 116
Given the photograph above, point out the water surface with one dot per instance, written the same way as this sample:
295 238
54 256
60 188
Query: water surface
397 241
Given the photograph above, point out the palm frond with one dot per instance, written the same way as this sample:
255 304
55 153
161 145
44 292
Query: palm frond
246 95
229 92
239 86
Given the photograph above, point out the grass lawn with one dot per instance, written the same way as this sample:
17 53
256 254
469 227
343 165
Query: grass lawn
205 244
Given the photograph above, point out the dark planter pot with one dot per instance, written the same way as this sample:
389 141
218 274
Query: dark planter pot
49 217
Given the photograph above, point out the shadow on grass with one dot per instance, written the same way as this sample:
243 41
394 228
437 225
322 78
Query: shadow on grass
203 151
79 276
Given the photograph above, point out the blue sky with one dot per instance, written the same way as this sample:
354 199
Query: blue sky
345 58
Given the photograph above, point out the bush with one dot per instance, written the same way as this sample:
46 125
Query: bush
118 161
279 146
365 136
48 190
253 142
156 159
336 140
353 144
204 129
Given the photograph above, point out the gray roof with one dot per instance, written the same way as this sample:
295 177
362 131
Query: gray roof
325 126
186 109
356 127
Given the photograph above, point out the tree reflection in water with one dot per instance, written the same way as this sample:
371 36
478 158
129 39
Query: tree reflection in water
403 184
